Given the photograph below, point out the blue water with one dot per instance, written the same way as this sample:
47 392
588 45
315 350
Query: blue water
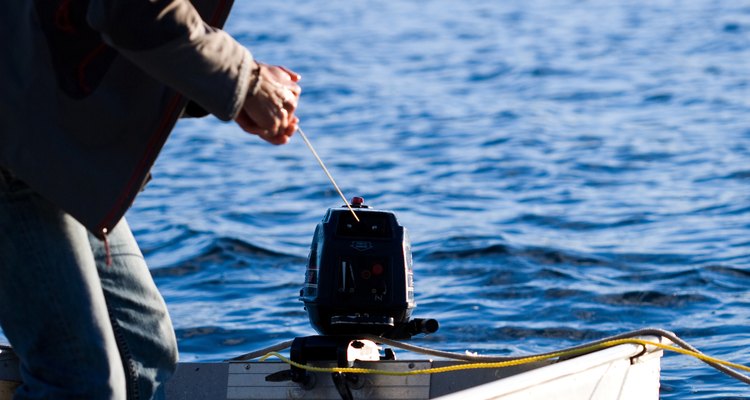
567 170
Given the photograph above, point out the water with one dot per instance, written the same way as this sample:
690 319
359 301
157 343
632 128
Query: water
567 169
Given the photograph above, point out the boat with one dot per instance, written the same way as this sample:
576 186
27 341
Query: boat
359 295
624 371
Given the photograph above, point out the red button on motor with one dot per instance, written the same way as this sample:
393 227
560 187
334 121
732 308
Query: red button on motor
377 269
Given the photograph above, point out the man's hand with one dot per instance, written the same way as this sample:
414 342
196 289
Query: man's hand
269 112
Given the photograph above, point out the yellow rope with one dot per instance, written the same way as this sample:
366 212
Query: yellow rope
504 364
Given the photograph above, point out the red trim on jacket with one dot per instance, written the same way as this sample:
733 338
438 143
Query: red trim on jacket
153 146
155 142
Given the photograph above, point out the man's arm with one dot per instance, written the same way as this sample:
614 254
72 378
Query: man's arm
169 41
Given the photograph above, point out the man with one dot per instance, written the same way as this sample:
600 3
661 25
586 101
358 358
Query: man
91 90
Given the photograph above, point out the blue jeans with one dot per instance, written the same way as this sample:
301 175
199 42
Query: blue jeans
81 328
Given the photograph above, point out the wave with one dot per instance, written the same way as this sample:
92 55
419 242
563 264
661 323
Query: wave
652 298
465 248
226 252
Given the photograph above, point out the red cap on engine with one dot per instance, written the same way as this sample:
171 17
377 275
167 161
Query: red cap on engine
358 201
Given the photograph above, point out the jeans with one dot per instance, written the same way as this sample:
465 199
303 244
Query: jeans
81 328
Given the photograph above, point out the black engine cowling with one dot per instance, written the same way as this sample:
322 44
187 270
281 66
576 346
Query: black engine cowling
359 276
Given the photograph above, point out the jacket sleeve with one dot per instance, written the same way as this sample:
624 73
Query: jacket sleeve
169 41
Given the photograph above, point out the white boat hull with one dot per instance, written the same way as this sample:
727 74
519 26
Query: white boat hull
624 372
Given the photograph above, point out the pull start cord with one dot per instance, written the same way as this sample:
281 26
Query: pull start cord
330 177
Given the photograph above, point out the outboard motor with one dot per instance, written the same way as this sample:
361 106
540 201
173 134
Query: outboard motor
359 281
359 277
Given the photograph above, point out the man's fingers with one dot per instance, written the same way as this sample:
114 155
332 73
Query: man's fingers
284 73
269 113
295 77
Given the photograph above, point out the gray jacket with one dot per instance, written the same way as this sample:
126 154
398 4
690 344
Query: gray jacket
91 89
